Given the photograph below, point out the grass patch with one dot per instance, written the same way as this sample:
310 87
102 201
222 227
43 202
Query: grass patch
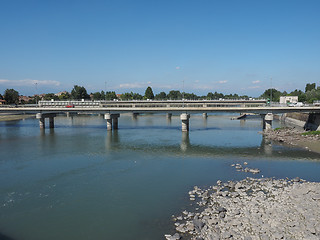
311 133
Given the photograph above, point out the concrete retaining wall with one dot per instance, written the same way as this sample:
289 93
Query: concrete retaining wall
306 121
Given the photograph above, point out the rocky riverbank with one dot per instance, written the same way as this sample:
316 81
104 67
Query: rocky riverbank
252 209
294 137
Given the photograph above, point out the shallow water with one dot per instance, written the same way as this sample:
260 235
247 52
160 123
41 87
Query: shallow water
79 181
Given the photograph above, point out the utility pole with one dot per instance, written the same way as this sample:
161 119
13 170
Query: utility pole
36 92
105 90
271 92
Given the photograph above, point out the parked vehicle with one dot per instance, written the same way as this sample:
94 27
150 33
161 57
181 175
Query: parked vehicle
297 104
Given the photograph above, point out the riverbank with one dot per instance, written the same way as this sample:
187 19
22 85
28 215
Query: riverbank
252 209
8 117
294 137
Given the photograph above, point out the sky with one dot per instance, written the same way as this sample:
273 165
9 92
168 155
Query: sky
198 46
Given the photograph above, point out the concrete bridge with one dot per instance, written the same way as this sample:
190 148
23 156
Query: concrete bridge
112 110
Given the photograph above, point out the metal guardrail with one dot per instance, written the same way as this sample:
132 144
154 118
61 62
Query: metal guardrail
155 104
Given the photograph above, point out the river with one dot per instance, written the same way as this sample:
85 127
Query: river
80 181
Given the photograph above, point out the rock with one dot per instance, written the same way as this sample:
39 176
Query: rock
198 224
255 209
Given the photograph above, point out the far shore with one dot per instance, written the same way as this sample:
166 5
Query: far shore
15 117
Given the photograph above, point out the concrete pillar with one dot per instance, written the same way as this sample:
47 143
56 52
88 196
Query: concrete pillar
41 120
42 124
108 117
68 114
51 122
204 115
267 121
115 118
185 122
135 115
169 115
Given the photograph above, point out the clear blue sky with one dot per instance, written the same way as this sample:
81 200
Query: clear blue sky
199 46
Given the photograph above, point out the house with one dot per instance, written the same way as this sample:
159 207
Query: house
288 99
2 102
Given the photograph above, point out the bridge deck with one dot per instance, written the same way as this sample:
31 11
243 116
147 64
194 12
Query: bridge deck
258 110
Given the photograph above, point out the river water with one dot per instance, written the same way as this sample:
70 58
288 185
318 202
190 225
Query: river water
80 181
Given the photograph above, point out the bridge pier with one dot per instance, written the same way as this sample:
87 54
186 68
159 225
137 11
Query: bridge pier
51 122
267 121
135 115
204 115
112 121
169 115
185 122
43 116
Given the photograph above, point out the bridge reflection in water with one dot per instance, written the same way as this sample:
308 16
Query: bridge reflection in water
266 149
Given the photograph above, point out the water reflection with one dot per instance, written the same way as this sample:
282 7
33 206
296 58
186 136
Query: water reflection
112 140
185 141
265 149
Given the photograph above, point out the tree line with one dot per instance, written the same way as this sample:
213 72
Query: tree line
310 94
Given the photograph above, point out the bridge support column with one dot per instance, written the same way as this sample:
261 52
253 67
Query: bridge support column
108 117
169 115
135 115
204 115
42 123
51 122
185 122
68 114
43 116
267 121
115 118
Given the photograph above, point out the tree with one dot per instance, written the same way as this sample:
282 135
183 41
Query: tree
136 96
79 92
97 96
11 96
272 94
161 96
1 97
174 95
126 96
148 93
64 96
50 96
310 86
110 96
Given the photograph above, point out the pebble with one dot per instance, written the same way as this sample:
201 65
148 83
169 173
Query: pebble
256 208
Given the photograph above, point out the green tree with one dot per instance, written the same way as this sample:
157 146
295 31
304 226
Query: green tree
310 86
190 96
127 96
174 95
64 96
110 96
137 96
97 96
50 96
161 96
148 93
272 94
214 96
79 92
11 96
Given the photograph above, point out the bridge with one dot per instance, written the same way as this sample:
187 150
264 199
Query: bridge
113 109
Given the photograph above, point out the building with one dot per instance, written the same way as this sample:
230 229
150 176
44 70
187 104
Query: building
2 102
288 99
